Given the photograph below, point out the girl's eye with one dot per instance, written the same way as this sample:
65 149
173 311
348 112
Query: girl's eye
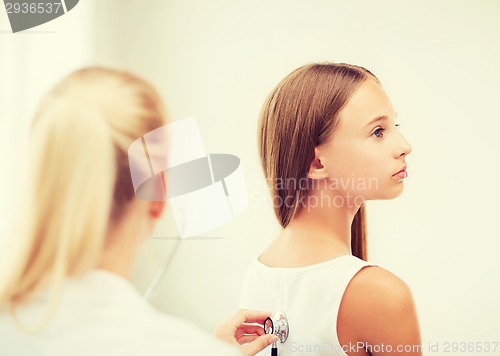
378 133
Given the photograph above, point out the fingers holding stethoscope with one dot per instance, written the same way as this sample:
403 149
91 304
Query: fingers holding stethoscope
246 331
258 344
245 327
253 330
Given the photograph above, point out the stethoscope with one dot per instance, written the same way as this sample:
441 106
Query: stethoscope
277 324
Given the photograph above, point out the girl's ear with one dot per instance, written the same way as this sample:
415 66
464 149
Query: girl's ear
316 169
156 209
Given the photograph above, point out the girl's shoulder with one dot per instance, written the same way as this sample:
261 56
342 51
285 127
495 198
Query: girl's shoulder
380 283
375 291
379 306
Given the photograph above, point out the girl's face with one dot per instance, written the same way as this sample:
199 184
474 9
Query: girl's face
366 150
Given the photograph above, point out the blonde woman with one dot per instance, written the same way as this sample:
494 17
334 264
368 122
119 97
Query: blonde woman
64 286
328 142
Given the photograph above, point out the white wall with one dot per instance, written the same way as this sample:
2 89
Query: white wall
30 63
437 60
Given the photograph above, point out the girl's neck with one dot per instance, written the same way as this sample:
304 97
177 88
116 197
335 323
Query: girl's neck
330 225
317 234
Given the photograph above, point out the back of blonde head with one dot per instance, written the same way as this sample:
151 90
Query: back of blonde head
79 181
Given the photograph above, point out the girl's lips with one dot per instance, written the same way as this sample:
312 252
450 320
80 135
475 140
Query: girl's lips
400 175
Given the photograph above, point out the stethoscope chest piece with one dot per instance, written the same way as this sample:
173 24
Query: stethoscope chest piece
277 324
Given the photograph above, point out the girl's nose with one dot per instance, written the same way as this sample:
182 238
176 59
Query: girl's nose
403 148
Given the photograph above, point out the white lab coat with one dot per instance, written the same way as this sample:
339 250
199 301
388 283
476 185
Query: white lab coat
102 314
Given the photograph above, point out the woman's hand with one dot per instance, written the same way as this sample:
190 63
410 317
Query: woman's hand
245 330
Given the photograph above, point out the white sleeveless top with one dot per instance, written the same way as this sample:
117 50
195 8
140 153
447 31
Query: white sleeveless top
310 297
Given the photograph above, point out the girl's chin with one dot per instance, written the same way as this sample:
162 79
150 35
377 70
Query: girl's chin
389 193
396 192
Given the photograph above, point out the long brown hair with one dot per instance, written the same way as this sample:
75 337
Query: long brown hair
300 114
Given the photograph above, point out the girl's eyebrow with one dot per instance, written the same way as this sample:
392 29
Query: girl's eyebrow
380 118
377 119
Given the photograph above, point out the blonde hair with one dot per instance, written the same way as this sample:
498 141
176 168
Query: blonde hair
300 113
79 180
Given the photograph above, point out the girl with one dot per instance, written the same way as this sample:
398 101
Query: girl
328 142
63 284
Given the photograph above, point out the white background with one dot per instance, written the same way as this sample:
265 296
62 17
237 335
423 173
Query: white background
438 61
